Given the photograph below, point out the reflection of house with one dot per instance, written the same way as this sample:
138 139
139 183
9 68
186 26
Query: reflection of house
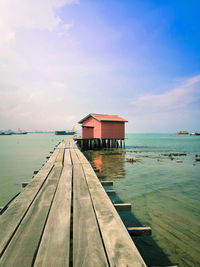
103 126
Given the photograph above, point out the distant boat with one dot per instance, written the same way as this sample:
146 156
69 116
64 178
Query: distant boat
182 132
195 134
72 132
3 133
64 132
19 132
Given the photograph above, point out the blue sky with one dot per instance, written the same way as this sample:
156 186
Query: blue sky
63 59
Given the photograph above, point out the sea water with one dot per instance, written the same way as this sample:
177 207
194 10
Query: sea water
164 189
20 155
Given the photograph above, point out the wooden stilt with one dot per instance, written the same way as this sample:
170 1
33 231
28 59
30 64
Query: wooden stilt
123 207
120 143
138 231
107 183
110 192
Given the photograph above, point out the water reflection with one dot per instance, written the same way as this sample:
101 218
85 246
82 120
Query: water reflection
110 163
98 162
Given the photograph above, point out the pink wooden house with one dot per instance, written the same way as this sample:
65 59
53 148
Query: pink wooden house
99 126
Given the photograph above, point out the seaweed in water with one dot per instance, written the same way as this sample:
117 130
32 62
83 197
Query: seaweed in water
175 154
133 160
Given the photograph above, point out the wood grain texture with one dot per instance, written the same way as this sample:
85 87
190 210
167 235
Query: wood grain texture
67 158
81 157
119 246
20 252
74 157
87 244
12 217
55 243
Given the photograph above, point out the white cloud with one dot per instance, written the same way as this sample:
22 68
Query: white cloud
177 108
28 14
176 98
58 84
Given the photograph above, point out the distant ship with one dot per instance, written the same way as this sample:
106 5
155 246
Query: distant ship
3 133
19 132
195 134
72 132
182 132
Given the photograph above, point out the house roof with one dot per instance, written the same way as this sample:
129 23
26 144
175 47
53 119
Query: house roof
103 117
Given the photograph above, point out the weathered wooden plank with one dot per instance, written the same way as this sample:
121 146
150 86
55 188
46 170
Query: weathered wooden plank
60 157
107 183
73 144
55 243
87 244
81 157
21 250
12 217
110 192
74 157
121 250
123 206
67 158
138 231
66 143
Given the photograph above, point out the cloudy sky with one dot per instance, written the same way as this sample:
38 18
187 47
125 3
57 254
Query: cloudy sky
63 59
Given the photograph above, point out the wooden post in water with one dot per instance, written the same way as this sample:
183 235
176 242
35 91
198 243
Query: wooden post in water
121 143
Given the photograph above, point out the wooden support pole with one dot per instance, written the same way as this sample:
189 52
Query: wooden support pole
139 231
112 143
108 143
120 143
81 144
107 183
110 192
35 172
123 207
117 143
24 184
101 143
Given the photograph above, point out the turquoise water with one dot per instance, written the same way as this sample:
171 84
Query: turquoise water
20 155
164 191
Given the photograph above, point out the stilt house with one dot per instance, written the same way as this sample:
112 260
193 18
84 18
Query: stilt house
100 126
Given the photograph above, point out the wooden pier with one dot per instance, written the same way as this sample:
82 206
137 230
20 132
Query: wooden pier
64 217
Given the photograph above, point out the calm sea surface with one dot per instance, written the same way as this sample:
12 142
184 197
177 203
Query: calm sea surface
164 190
20 155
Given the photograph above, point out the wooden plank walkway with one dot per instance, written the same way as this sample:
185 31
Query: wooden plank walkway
64 217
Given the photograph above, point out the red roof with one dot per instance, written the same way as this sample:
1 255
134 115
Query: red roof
103 117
